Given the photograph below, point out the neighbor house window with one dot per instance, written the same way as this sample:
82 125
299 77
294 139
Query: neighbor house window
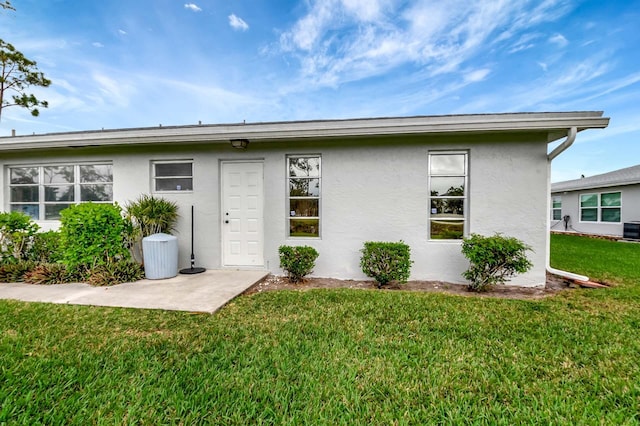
172 176
556 208
303 189
42 192
604 207
448 174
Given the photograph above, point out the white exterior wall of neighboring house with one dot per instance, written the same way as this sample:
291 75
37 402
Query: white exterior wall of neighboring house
629 210
370 191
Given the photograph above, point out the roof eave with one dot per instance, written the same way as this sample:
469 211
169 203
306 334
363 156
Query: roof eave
594 186
556 123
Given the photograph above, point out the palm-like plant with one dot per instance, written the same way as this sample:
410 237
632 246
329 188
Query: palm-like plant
149 215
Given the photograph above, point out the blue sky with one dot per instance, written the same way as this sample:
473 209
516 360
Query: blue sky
124 63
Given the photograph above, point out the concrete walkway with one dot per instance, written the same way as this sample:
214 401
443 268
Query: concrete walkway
205 292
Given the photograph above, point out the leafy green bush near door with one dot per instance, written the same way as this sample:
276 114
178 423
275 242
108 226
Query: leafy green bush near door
91 246
93 234
297 261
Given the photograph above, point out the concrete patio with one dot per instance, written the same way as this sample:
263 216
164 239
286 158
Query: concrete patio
206 292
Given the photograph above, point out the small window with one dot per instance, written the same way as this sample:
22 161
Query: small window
447 195
304 190
605 207
556 208
42 192
173 176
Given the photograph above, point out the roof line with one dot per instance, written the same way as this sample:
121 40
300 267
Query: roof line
620 177
556 122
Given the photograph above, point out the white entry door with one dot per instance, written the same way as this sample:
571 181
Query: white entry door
242 214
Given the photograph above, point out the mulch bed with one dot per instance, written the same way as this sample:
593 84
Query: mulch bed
554 285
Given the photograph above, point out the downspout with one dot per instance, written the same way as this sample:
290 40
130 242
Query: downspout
571 137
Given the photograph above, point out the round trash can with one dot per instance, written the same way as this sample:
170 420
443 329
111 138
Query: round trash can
160 253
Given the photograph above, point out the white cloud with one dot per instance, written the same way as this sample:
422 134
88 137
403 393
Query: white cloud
558 89
237 23
339 41
111 91
543 65
477 75
122 32
525 42
97 44
365 10
558 39
193 7
309 29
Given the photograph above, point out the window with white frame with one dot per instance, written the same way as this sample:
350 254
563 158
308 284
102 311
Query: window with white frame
603 207
556 208
43 191
171 176
448 181
303 195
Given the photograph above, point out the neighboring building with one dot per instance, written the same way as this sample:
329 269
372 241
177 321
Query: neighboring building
330 184
599 204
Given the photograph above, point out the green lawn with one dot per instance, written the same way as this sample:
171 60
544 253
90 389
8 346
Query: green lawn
338 357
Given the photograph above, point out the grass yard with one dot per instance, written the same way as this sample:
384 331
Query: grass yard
338 357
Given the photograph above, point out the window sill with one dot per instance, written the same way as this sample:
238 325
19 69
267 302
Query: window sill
600 222
173 192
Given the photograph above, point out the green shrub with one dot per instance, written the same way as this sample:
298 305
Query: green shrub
15 272
46 247
93 234
47 273
115 273
493 259
385 262
16 232
297 261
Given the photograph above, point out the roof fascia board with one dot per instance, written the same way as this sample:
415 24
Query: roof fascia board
590 187
550 122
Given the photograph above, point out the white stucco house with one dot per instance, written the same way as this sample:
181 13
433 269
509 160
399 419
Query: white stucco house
604 204
331 184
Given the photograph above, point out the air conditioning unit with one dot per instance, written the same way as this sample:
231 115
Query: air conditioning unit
631 230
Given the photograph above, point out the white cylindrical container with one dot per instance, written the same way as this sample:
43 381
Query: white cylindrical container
160 252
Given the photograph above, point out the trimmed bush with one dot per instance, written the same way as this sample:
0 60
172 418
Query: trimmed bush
16 232
494 260
93 234
386 262
297 261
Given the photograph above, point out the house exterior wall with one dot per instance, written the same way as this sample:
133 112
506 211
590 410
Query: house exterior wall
629 210
374 189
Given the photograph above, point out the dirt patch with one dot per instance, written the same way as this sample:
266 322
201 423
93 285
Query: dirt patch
553 285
